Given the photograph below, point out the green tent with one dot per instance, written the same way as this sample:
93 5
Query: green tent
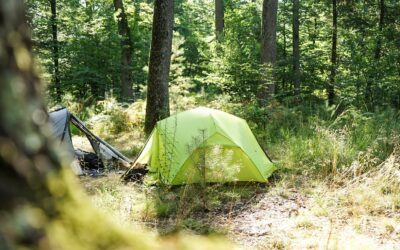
204 144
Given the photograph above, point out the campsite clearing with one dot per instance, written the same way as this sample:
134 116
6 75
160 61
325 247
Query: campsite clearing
293 214
306 205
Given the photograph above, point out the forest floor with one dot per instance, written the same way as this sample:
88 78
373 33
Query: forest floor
289 214
337 185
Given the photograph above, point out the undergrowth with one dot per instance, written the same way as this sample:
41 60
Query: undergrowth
345 159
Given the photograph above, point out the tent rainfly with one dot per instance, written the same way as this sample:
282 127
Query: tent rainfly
204 145
61 119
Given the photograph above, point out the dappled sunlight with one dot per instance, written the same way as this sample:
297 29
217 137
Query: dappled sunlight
199 124
314 208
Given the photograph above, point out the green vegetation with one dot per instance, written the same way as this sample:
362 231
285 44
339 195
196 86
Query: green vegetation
343 162
317 81
89 50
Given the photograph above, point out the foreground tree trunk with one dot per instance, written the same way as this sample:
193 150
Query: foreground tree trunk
332 78
39 199
126 51
55 53
157 106
268 48
219 19
296 50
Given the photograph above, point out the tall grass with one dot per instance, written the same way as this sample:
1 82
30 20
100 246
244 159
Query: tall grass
320 143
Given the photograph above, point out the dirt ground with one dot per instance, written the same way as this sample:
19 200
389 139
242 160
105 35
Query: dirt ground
273 221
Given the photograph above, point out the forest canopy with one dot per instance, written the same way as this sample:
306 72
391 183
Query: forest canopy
345 50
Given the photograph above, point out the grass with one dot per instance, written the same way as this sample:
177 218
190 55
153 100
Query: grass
339 170
305 223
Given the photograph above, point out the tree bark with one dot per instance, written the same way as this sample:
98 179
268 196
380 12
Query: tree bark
17 108
268 48
26 157
284 54
284 46
369 98
55 53
332 78
219 19
126 51
157 106
296 50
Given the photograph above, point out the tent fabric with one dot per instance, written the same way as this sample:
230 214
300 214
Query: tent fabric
61 119
204 144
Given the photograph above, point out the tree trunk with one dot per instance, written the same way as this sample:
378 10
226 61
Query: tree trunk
219 19
284 54
55 53
332 78
157 106
296 50
21 112
268 48
126 51
369 98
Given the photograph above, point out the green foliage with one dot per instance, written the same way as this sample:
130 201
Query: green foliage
90 46
90 50
234 63
323 144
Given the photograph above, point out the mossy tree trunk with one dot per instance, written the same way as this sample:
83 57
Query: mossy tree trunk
26 157
41 206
